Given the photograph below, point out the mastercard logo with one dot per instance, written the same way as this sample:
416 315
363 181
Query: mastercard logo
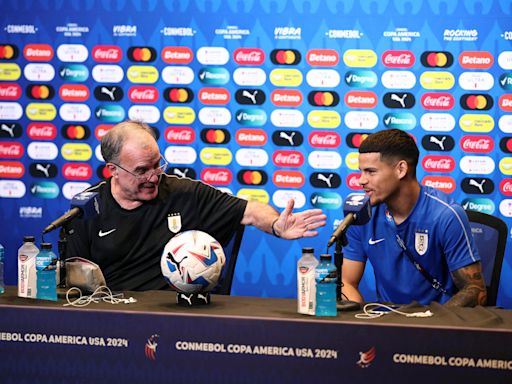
75 132
252 177
215 136
141 54
323 99
476 102
354 140
178 95
432 59
8 52
506 144
40 92
285 56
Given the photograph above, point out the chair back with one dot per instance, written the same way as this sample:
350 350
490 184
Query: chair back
490 235
231 252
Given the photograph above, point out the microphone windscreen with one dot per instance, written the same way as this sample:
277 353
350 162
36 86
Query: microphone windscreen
358 204
88 203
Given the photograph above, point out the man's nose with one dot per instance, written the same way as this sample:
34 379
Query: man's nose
363 180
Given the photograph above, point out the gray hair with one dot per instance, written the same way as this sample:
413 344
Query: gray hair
112 142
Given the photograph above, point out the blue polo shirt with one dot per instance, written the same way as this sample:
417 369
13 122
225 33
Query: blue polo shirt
437 233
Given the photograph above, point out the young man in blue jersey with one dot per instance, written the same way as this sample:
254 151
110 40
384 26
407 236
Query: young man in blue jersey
418 240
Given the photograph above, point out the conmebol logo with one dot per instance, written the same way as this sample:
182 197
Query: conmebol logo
477 144
249 56
438 163
288 158
398 59
216 176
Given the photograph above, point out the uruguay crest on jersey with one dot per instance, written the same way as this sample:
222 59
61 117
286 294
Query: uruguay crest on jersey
174 222
421 241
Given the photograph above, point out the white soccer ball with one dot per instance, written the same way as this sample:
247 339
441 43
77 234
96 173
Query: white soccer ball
192 262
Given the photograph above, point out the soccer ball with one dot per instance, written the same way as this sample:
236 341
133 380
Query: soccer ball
192 262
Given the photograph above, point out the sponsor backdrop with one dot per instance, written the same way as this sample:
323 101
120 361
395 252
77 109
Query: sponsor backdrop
268 100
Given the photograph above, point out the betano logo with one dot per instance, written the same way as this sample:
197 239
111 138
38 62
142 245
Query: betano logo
288 179
476 60
402 120
107 54
475 101
215 156
74 92
443 183
142 74
142 54
398 59
8 52
252 177
45 189
214 76
251 137
322 57
441 59
10 91
253 195
360 58
180 135
324 119
9 71
76 151
179 115
177 55
74 72
214 96
286 98
481 123
36 52
101 130
505 103
41 111
326 200
281 77
11 169
215 136
361 99
437 80
361 79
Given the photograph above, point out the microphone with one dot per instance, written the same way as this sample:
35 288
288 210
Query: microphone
357 211
85 205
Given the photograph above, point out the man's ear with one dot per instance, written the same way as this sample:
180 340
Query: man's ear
112 169
402 168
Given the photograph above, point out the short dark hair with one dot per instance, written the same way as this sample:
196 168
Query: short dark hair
113 140
393 144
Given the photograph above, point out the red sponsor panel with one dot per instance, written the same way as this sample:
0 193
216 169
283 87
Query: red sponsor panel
398 59
42 131
438 163
361 99
107 53
477 144
505 103
77 171
322 57
177 55
288 179
353 181
143 94
443 183
38 52
476 59
437 101
214 96
249 56
74 92
11 169
322 139
180 135
10 91
216 176
102 129
286 98
288 158
251 137
11 150
506 187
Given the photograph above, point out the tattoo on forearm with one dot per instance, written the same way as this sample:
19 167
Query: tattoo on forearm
471 287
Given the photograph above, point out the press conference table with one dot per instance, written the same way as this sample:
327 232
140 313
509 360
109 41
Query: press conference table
246 340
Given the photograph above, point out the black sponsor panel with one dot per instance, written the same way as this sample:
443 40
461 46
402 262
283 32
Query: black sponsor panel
476 102
477 185
75 131
285 57
506 144
323 98
215 136
10 130
181 171
248 96
287 138
40 91
355 139
178 95
436 59
108 93
43 170
102 172
252 177
142 54
442 143
325 180
399 100
9 52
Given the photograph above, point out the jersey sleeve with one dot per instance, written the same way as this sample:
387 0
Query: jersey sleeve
354 249
78 243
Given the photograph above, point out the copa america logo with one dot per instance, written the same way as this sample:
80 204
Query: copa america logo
150 347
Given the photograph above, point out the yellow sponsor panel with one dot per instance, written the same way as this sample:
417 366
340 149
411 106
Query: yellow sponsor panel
360 58
216 156
281 77
352 161
9 71
476 123
253 195
506 165
179 115
142 74
437 80
76 151
324 119
41 111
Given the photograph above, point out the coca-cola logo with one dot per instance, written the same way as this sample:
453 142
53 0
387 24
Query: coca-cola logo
398 59
506 187
42 131
77 171
324 139
288 179
74 92
177 55
143 94
477 144
437 101
10 91
107 53
11 150
288 158
443 183
251 137
353 181
180 135
249 56
438 163
11 169
216 176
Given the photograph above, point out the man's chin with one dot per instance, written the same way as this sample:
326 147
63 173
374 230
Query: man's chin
148 193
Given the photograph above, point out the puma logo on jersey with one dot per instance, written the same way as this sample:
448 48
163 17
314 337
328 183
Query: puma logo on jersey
103 234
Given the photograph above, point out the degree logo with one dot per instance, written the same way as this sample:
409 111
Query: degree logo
251 117
180 135
361 79
287 138
477 185
252 177
141 54
505 81
177 55
8 52
215 136
354 140
250 96
45 190
108 93
40 92
431 59
178 95
323 98
214 76
76 132
77 73
474 101
402 120
326 200
329 180
479 204
37 52
285 57
110 113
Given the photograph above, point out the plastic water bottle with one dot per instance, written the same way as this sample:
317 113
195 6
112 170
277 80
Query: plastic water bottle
325 277
27 267
306 292
2 253
46 265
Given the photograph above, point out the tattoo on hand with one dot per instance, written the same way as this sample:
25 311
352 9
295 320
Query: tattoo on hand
471 287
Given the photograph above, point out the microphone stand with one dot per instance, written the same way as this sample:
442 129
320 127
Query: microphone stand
62 247
342 305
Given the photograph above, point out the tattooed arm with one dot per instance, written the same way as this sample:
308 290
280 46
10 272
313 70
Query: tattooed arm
470 282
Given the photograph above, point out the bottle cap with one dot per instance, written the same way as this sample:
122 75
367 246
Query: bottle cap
29 239
46 245
325 257
308 250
